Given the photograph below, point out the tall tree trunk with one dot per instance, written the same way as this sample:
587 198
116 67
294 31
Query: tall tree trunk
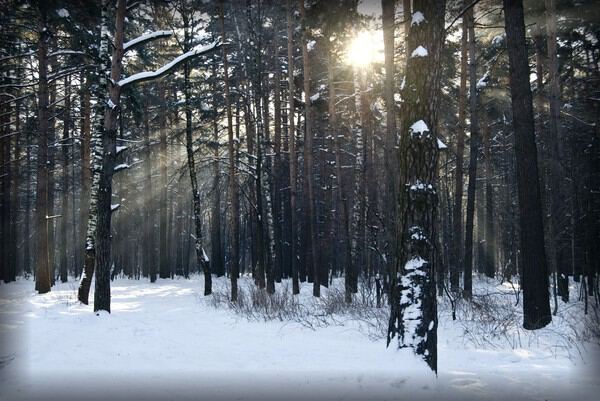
308 154
163 160
42 279
414 308
555 157
292 146
232 146
109 145
457 215
201 257
66 145
473 153
489 245
86 168
149 245
89 261
390 149
215 221
536 303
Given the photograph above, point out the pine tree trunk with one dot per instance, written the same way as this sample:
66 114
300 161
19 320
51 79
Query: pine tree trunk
457 215
292 146
149 254
308 154
232 148
201 257
414 308
109 145
163 160
390 149
474 151
536 303
215 221
66 145
42 279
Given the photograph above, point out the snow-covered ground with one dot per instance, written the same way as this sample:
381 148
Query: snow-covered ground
166 341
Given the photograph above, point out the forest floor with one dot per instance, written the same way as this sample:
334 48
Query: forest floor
166 341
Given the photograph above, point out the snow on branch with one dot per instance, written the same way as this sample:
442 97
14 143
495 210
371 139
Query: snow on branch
148 75
66 52
120 167
146 38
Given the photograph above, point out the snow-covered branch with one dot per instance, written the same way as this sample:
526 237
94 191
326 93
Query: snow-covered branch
148 75
120 167
146 38
66 52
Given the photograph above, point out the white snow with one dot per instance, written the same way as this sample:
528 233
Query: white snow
441 145
121 149
482 83
114 207
419 52
311 45
314 97
63 13
165 341
417 18
418 129
146 37
165 68
205 256
120 167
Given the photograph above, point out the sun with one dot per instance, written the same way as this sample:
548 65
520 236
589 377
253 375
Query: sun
364 49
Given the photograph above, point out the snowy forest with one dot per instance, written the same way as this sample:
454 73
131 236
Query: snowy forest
299 199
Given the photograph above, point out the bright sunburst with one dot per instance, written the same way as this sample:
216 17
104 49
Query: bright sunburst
365 48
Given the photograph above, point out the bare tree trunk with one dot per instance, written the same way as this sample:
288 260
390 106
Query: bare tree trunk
201 257
457 216
89 261
42 279
109 144
308 156
215 221
413 308
66 145
149 245
292 140
232 148
474 150
163 159
390 150
555 157
536 304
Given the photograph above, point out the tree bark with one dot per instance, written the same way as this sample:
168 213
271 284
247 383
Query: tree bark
292 146
457 216
308 156
536 306
232 148
42 279
473 153
413 308
109 145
